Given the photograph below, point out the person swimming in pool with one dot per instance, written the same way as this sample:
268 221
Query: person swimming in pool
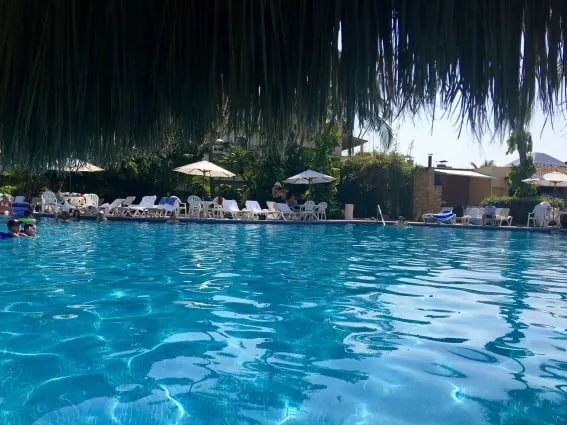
172 218
13 228
29 230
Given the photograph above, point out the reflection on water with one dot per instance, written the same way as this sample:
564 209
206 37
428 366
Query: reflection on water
223 324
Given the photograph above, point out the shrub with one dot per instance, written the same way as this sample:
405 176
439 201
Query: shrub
10 190
371 179
521 207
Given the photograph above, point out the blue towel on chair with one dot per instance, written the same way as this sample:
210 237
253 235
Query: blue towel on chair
444 217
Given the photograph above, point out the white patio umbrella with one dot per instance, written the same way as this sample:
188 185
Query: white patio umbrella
554 179
205 169
76 166
309 177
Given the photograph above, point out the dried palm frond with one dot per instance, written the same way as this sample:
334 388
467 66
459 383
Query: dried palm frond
95 79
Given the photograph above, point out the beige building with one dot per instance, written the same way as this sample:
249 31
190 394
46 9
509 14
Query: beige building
438 187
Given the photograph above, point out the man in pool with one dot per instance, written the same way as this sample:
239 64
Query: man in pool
29 230
13 228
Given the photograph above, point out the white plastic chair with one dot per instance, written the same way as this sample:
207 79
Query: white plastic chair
181 209
321 210
539 216
308 211
194 206
49 203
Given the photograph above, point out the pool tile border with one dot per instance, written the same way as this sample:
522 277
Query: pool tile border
360 222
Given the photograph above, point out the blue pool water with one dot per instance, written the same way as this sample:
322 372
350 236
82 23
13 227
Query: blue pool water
142 324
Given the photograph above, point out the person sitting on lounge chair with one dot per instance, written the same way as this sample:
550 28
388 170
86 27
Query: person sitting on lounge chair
489 216
291 201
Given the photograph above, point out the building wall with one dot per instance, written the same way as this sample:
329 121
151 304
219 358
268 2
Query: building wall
455 190
500 184
426 196
479 189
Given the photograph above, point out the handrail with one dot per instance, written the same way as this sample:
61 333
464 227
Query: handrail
381 216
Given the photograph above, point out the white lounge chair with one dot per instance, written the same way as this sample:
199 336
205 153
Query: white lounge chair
166 206
146 203
429 216
503 216
108 209
91 204
256 210
286 211
230 207
273 212
121 210
472 215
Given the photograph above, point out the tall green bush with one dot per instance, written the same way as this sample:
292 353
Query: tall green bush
521 207
377 178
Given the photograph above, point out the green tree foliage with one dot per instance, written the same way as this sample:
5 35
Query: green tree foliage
521 141
520 207
376 178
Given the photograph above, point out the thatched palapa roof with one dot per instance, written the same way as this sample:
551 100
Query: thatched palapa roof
94 78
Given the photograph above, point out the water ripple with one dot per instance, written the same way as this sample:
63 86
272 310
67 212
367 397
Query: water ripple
129 324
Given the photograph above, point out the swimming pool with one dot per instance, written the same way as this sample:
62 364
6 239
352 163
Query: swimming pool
129 323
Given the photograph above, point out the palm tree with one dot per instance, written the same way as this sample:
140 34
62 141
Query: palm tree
487 163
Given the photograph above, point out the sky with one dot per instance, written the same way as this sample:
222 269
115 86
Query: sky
443 141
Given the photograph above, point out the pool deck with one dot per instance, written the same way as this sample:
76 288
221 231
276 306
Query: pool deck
359 222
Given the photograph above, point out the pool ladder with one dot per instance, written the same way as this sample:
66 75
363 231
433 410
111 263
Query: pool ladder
379 211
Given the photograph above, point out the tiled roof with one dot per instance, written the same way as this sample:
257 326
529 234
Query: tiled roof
542 159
